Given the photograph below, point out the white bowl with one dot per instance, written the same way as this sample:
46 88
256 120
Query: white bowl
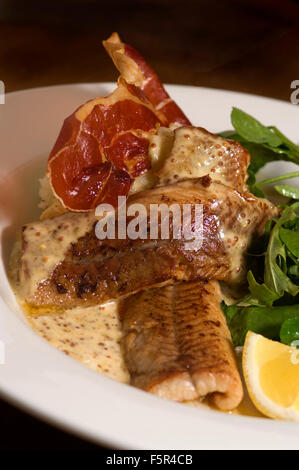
47 383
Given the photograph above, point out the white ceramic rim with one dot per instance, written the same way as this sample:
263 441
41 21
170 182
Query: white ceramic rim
52 386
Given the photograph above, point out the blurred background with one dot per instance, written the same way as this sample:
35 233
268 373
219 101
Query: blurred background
245 45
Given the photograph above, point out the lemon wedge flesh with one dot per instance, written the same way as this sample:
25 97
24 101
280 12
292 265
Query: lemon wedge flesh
271 372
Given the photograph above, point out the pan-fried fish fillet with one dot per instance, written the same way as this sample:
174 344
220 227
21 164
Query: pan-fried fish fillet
150 347
196 152
174 155
177 345
92 271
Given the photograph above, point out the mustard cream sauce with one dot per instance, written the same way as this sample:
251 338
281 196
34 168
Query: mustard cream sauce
90 335
232 243
188 157
93 335
159 148
47 242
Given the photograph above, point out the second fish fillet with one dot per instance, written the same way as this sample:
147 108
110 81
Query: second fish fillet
177 345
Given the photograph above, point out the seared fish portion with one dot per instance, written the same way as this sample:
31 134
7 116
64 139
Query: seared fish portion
177 345
196 152
92 271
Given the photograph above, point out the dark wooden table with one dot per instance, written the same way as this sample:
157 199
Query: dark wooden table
250 46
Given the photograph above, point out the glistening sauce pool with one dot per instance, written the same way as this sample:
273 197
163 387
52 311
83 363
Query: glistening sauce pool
90 335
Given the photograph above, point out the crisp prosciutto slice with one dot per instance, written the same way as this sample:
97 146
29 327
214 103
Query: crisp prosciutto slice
103 146
136 70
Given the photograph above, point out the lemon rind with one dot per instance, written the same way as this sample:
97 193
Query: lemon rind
251 374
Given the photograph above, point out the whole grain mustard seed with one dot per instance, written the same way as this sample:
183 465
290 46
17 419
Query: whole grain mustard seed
90 335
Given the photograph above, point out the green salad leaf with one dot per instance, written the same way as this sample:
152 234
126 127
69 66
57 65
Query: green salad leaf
261 292
264 143
289 331
294 271
252 130
275 274
272 306
287 191
266 321
291 240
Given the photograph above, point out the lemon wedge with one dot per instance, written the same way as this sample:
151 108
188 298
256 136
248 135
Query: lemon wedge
271 372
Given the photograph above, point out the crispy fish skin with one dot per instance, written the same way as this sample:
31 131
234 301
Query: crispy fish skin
150 348
205 341
94 271
196 152
94 282
177 345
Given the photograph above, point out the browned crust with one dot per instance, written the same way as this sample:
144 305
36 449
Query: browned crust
95 271
225 159
177 345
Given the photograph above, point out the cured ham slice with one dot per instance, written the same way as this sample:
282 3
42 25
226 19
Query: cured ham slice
136 70
92 271
103 146
177 345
